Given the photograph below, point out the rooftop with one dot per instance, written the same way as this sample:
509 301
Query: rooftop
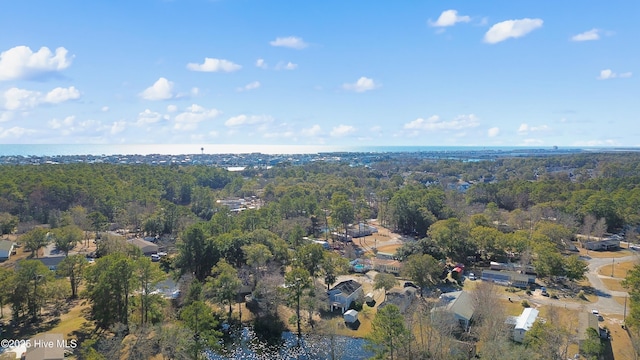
347 287
526 319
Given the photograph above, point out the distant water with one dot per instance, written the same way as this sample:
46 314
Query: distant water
189 149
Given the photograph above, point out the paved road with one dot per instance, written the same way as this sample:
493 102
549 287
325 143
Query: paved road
606 304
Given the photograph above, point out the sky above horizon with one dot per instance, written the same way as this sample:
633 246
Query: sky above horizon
508 73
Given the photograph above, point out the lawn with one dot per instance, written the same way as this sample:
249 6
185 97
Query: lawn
71 321
606 254
619 269
613 284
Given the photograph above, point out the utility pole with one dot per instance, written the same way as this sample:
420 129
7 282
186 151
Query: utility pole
612 263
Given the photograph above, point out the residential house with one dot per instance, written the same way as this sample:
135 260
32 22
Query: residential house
400 298
342 295
46 347
509 278
459 305
147 247
586 320
6 249
523 323
52 262
605 245
387 266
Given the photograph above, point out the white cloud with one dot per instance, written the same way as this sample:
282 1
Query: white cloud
526 129
363 84
21 63
261 63
315 130
22 99
434 123
493 132
194 115
162 89
342 130
214 65
287 66
64 123
593 34
195 91
172 108
148 117
449 18
6 116
117 127
60 94
290 42
511 29
250 86
104 108
15 99
15 132
243 119
608 74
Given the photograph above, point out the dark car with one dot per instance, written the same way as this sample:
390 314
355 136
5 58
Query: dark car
410 284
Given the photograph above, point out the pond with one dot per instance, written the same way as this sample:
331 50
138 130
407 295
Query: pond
246 345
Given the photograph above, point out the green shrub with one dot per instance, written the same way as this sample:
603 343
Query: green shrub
525 304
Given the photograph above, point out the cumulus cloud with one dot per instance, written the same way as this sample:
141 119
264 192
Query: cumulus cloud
434 123
526 129
243 119
117 127
172 108
162 89
609 74
493 132
60 94
194 115
363 84
104 108
511 29
292 42
250 86
6 116
148 117
342 130
590 35
15 132
64 123
315 130
22 99
20 62
287 66
214 65
449 18
261 63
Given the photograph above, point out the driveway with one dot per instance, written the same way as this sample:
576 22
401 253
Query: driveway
606 303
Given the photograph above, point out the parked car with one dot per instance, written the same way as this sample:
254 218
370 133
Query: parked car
472 276
543 291
155 257
410 284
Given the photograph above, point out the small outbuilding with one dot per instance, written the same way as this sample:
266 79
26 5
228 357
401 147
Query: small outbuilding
147 247
368 298
350 316
6 249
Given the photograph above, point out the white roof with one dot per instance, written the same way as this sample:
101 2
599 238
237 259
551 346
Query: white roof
351 313
526 319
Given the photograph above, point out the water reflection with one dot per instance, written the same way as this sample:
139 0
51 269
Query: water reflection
245 344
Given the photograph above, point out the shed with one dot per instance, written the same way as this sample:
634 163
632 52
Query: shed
6 248
368 298
350 316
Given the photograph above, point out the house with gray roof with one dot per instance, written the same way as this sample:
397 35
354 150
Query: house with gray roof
459 305
343 294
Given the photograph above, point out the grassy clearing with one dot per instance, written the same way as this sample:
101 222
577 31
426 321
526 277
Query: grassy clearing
389 248
71 321
620 341
619 269
606 254
613 284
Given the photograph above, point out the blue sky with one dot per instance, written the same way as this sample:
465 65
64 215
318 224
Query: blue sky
431 73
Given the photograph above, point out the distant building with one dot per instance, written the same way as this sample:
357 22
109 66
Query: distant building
400 298
523 323
342 295
52 262
147 247
457 304
387 266
605 245
508 278
6 249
